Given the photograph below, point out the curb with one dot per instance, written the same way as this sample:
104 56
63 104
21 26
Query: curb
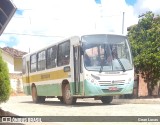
137 101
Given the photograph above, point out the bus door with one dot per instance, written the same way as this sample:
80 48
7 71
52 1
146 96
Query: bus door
76 53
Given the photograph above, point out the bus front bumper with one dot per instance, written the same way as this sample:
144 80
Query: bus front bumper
109 90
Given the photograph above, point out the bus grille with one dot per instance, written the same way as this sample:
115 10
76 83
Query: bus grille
108 83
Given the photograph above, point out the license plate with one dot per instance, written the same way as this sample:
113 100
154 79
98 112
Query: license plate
113 88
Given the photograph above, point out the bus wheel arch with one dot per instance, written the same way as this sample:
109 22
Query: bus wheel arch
35 97
66 93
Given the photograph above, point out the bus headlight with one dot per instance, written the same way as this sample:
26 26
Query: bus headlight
92 80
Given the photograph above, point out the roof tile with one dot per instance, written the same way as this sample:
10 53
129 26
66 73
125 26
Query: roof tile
13 52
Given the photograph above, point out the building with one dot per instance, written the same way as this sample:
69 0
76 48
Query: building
141 88
13 58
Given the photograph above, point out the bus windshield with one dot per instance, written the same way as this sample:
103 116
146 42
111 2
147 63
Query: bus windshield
105 53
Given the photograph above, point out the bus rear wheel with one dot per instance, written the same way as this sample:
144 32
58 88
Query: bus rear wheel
67 97
35 97
106 99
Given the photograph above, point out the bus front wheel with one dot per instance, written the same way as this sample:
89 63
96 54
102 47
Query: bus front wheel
107 99
67 97
35 97
61 99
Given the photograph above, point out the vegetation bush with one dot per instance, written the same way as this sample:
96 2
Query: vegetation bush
5 87
145 42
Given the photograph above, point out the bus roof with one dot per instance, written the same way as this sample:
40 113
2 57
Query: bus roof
50 45
109 33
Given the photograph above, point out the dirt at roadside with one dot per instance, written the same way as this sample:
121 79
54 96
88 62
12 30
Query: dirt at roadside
17 94
5 113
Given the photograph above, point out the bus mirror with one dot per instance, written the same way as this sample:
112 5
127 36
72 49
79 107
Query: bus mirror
66 69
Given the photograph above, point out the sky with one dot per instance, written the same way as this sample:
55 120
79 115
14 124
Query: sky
38 23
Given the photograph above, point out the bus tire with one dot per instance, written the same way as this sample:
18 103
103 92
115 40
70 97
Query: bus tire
61 99
106 99
35 97
41 99
67 98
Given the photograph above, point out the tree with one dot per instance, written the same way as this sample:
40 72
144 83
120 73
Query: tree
5 88
145 43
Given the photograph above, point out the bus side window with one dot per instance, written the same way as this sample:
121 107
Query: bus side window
41 57
33 63
51 57
63 56
66 60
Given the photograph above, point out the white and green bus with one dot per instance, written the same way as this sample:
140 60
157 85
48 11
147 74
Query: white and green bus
96 66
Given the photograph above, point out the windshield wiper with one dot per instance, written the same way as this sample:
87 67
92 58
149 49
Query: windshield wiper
122 66
116 57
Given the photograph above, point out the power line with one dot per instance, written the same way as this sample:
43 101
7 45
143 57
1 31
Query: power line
115 15
31 35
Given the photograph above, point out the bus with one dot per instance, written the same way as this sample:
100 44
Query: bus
98 66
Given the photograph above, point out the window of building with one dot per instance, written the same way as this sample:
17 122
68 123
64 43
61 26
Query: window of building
63 53
51 57
33 63
41 58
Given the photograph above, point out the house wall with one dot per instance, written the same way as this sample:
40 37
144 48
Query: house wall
18 65
9 60
15 70
16 82
14 64
142 87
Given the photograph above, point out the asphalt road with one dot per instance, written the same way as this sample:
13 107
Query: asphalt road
23 106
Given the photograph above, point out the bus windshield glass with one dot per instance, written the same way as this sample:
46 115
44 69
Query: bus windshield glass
105 53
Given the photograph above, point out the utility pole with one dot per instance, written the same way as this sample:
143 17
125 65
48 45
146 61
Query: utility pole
123 24
98 2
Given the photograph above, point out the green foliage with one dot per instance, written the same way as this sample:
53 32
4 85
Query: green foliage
4 81
145 42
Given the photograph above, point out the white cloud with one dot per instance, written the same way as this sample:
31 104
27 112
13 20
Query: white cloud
112 16
59 18
64 18
146 5
32 43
